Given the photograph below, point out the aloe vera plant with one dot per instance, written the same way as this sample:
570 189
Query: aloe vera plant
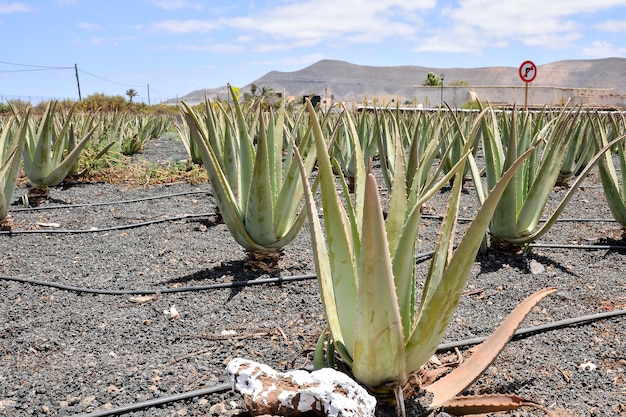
137 130
12 139
614 184
52 150
516 219
258 190
580 152
190 145
366 270
353 130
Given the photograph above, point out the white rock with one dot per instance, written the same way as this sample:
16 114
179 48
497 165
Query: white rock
536 268
324 392
588 366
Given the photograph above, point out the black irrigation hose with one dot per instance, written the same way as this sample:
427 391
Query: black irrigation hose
157 401
109 203
444 347
106 229
559 220
559 246
231 284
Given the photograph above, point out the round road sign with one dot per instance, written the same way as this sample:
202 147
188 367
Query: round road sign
528 71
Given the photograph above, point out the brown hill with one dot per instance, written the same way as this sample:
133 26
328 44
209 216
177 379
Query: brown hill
351 82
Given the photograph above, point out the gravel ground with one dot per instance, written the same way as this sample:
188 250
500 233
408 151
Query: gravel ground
66 352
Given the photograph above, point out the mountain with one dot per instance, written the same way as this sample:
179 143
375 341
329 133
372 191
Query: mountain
351 82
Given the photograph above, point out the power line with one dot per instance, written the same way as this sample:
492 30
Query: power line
124 84
159 92
34 69
110 81
41 67
31 68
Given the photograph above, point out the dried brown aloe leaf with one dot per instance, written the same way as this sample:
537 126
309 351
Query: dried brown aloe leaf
469 371
488 403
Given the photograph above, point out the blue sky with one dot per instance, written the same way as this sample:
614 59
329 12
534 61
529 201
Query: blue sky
178 46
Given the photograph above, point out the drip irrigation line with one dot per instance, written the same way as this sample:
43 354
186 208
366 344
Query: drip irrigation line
222 285
106 229
444 347
107 203
559 220
158 401
595 247
231 284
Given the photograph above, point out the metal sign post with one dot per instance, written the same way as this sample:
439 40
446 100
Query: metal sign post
527 72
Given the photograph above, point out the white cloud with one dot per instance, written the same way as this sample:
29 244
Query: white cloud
294 24
110 41
612 26
289 62
599 49
553 40
89 26
524 21
466 26
475 25
6 8
176 5
217 48
323 21
184 26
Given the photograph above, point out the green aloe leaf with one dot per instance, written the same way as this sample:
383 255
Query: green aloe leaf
378 354
442 293
11 145
339 272
227 201
614 185
259 217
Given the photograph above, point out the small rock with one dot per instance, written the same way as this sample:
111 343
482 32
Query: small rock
217 409
588 366
112 389
5 403
536 268
72 400
88 400
266 391
103 407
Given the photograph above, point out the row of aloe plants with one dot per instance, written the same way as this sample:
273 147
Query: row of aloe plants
365 257
59 144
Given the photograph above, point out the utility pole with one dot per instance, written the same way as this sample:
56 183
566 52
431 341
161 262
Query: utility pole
80 98
148 94
441 78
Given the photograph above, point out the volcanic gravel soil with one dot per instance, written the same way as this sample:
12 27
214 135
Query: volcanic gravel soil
67 350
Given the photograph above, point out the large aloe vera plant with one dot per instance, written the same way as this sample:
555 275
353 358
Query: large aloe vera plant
12 138
517 218
258 189
366 271
52 149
